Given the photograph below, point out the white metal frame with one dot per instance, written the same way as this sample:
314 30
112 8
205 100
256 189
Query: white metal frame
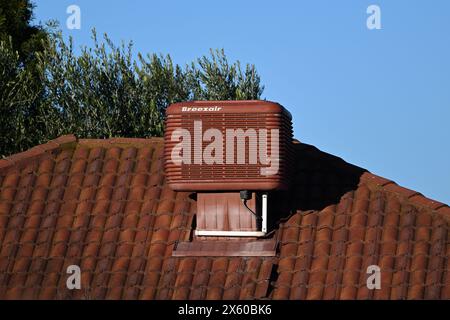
263 232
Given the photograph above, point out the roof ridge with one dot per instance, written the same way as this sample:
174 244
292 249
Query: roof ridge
66 139
413 196
37 150
119 140
337 161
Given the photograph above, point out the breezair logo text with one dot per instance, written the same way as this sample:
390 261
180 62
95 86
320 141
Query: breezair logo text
204 109
257 150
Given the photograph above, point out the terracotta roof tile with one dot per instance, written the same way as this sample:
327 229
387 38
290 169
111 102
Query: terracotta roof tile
421 200
103 204
400 190
444 211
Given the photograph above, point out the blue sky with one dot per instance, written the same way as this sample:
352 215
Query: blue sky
379 99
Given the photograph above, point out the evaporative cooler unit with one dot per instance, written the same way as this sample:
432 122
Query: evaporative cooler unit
232 154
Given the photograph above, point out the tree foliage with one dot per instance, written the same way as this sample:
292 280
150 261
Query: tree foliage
15 23
19 96
103 91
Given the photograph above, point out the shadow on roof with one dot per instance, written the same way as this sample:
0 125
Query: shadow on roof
320 180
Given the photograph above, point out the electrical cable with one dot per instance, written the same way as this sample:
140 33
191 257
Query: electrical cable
244 201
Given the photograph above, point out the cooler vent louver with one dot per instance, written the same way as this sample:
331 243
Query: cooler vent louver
244 115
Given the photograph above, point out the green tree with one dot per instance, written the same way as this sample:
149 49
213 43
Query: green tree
213 78
104 92
20 77
15 23
17 93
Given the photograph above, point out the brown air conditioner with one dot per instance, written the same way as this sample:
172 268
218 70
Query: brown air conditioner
228 146
231 153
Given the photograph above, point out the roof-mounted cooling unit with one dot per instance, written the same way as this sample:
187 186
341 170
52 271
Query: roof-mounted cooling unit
232 154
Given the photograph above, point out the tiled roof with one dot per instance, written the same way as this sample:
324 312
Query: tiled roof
104 205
